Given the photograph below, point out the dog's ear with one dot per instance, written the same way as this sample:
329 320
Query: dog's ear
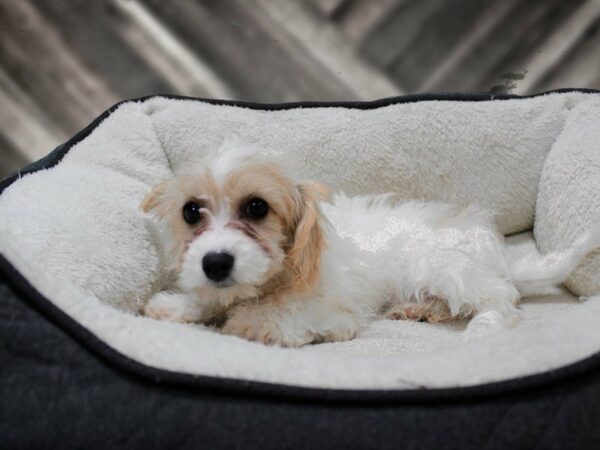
304 256
154 198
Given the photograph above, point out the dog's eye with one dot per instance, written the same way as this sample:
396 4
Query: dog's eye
256 208
191 213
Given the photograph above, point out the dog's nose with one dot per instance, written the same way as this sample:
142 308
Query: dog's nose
217 266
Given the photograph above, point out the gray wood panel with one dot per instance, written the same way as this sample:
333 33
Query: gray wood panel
529 37
249 50
581 67
62 62
11 159
91 30
42 64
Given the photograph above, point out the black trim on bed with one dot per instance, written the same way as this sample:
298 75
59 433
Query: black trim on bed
554 379
55 394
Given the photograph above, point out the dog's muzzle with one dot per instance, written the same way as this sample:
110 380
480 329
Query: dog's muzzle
217 265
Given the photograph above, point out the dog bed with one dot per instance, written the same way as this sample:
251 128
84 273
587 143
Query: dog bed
81 367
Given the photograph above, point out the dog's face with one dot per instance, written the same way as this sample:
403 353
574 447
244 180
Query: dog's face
240 228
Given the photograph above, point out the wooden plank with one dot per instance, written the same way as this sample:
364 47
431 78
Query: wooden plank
331 50
496 41
249 50
53 129
11 159
441 77
558 45
170 58
40 62
482 56
520 39
328 7
91 33
358 17
27 136
439 34
580 67
396 31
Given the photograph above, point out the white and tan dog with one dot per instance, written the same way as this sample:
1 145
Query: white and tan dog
273 261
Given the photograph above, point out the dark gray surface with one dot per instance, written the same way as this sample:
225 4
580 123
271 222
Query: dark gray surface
56 394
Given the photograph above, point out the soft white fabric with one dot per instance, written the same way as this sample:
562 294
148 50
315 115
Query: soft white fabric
569 196
75 231
490 153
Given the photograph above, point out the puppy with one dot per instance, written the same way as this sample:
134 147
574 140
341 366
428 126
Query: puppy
271 260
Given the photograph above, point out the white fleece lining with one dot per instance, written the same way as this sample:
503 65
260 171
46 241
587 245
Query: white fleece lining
568 201
76 233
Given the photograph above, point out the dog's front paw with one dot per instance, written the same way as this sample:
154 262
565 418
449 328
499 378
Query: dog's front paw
254 326
432 311
173 307
346 327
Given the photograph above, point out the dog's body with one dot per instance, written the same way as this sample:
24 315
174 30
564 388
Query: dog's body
308 270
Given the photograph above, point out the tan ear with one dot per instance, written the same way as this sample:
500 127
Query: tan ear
304 256
154 198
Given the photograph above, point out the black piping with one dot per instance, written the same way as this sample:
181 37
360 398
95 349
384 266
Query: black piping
566 374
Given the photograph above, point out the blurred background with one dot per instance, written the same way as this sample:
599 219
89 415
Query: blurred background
63 62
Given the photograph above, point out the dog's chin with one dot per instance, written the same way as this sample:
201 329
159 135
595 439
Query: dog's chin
226 292
224 284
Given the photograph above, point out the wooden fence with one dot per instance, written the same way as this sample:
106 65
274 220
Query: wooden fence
62 62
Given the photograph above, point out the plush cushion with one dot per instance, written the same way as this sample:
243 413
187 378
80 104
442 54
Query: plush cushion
76 233
568 201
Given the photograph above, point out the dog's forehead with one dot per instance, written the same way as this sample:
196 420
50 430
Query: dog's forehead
236 178
230 159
